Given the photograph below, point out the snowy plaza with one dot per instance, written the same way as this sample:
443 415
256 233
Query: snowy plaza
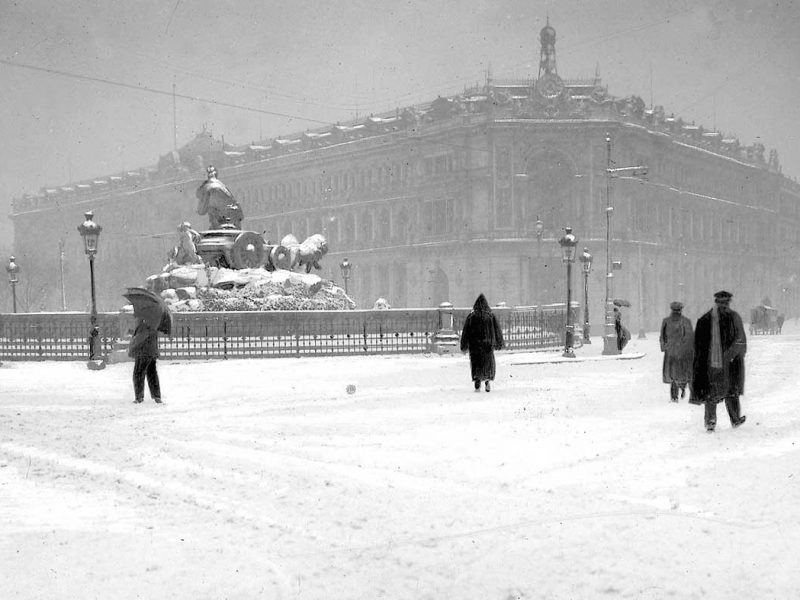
266 479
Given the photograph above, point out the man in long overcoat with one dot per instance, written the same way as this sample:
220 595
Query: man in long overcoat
481 336
144 350
720 345
677 344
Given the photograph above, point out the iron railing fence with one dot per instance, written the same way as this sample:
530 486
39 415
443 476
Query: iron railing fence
267 334
54 336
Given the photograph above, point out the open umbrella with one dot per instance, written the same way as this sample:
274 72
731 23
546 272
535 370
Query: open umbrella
151 308
620 302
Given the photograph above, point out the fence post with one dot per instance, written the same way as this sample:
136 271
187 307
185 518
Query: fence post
445 340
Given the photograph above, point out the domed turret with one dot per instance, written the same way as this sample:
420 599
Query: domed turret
547 36
547 62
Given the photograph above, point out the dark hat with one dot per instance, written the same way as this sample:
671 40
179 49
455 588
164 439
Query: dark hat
723 295
676 306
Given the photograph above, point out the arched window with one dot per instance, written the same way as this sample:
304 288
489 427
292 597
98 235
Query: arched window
314 225
331 230
551 190
439 287
301 228
399 295
401 231
366 230
349 235
384 225
366 286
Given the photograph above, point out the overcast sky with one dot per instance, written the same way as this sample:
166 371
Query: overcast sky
95 93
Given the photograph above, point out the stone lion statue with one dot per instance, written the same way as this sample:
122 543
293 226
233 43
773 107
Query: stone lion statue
311 251
306 254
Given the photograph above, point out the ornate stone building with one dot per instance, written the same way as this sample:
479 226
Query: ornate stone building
441 202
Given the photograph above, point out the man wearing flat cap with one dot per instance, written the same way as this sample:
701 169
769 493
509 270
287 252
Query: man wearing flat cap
677 344
719 348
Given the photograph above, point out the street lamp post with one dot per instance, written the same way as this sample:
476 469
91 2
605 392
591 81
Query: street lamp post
586 263
90 231
13 278
345 266
539 232
568 243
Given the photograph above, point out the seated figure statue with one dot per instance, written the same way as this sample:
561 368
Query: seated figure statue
216 200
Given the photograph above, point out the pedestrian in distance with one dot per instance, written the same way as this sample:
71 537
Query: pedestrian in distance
720 345
144 350
481 336
677 344
623 335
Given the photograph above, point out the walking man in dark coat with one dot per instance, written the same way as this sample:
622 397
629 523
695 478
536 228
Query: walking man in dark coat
144 349
481 336
623 335
677 344
719 348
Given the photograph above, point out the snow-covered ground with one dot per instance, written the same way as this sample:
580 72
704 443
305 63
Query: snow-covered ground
265 479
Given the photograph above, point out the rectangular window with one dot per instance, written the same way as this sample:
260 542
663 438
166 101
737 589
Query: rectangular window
503 162
449 215
503 208
439 217
427 218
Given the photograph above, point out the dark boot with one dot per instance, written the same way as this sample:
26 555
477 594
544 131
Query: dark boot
488 387
734 411
711 414
477 385
683 390
673 391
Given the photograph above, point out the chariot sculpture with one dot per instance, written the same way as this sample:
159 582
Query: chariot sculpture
225 244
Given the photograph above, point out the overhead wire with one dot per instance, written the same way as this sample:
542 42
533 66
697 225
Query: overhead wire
143 88
409 97
232 82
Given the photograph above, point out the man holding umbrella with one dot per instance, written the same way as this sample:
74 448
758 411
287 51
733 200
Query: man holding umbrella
623 335
152 316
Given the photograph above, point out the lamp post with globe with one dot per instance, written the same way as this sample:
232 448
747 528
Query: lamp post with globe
90 232
345 267
568 243
586 263
13 278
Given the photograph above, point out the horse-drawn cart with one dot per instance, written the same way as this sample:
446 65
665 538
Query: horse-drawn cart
764 320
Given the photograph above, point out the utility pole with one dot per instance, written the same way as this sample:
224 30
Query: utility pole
635 172
609 334
61 269
174 117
